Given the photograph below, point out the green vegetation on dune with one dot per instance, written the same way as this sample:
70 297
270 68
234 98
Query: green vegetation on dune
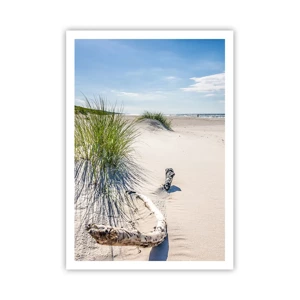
156 116
104 139
104 157
85 111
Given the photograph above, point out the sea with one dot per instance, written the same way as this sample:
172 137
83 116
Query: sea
190 115
198 115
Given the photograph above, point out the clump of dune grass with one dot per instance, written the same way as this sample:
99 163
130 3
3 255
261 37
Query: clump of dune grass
104 161
156 116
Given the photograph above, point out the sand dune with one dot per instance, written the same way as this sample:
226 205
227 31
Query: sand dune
194 206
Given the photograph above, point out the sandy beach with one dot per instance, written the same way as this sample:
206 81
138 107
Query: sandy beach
194 206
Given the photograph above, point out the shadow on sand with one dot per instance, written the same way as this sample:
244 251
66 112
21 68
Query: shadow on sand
160 252
174 189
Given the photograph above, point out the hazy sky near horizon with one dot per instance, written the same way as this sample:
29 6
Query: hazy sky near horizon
169 76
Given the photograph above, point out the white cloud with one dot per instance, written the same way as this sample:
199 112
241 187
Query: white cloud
79 101
154 95
129 94
209 95
212 83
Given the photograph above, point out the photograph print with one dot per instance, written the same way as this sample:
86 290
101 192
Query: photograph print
149 149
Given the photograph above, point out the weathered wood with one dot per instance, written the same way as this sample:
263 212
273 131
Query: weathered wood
169 178
116 236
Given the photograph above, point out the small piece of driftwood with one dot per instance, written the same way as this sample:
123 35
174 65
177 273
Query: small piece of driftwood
169 178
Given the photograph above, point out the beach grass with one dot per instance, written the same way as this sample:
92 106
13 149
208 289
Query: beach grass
104 157
156 116
104 138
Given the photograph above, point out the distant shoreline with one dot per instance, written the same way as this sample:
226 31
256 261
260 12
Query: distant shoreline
85 111
186 115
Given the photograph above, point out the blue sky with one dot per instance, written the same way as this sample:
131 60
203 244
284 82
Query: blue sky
169 76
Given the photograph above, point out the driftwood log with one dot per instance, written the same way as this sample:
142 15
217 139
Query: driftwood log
116 236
